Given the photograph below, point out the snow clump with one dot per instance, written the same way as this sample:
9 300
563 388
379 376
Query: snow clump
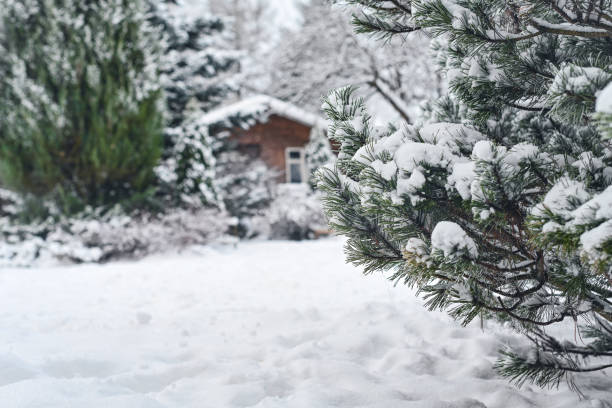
451 239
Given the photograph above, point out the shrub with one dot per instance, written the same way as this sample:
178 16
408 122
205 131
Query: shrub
80 120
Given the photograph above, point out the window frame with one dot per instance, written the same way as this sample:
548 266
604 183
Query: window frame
289 161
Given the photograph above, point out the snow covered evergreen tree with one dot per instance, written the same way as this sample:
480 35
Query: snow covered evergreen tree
79 100
318 152
247 187
501 209
197 70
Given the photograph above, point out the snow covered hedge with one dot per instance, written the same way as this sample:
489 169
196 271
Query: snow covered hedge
99 237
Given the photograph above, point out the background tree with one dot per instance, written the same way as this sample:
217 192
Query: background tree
500 210
247 185
198 73
325 53
318 152
251 32
79 115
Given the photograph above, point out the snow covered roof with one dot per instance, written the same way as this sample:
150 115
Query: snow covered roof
261 107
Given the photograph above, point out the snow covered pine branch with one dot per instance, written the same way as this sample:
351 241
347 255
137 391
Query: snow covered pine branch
501 206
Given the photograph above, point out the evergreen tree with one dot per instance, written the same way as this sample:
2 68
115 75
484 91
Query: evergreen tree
500 209
318 152
197 70
79 115
247 186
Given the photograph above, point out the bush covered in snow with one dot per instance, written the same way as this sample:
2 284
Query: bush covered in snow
285 211
95 236
295 213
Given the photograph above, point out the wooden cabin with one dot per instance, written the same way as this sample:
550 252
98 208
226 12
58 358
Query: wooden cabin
277 133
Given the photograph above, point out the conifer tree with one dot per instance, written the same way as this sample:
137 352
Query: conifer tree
500 208
247 186
197 73
79 114
318 152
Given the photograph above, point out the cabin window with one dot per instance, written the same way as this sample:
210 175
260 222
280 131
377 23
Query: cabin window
295 165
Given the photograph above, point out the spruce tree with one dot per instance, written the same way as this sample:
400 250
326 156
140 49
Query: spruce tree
197 75
500 207
318 152
79 114
247 186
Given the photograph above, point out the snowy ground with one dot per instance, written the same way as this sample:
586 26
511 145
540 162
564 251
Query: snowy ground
270 324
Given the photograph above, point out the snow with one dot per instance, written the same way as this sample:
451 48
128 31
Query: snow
574 78
520 152
462 177
587 163
598 208
263 106
566 27
604 100
450 135
417 249
389 143
588 216
386 170
410 155
450 238
592 241
362 155
358 123
264 324
416 246
484 150
411 185
410 159
95 237
561 198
